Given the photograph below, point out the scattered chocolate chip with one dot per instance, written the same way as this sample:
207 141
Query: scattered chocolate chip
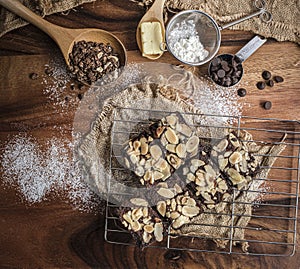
49 71
267 105
80 96
266 75
33 76
260 85
66 98
270 83
242 92
90 61
278 79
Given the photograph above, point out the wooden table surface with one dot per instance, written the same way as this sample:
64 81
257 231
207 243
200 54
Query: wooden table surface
52 234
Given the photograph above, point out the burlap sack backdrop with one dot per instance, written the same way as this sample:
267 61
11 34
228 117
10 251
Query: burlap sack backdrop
9 21
285 25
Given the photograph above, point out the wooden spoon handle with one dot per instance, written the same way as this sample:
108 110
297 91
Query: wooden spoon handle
18 8
157 9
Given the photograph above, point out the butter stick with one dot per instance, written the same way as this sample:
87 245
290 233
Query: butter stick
151 36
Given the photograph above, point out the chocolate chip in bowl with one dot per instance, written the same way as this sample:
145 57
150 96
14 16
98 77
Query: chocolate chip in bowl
91 61
226 69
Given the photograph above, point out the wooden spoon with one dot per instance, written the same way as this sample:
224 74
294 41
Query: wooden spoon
65 37
154 14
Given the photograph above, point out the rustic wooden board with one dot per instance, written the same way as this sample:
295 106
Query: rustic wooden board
52 234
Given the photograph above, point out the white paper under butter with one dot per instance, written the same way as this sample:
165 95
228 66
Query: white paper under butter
151 36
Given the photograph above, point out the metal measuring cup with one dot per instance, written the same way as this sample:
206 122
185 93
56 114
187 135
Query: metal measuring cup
227 70
207 29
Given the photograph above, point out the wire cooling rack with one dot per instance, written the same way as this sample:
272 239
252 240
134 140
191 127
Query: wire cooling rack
273 225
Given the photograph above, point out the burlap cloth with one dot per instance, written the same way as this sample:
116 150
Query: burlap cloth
95 152
285 25
9 21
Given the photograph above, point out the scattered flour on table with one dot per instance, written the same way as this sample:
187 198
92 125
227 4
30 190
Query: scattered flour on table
56 83
45 173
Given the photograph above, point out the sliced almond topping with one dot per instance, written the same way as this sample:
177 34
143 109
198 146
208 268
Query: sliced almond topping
137 213
165 193
134 159
136 145
191 177
144 147
192 144
173 204
181 220
227 154
222 163
127 217
193 168
146 237
174 161
172 120
161 165
190 211
158 231
139 201
197 163
222 145
163 140
184 129
181 151
233 140
147 220
159 131
171 148
139 171
185 171
136 226
209 170
145 211
235 157
161 208
188 201
171 136
148 228
155 152
163 185
235 176
177 188
158 175
166 172
148 175
174 215
222 185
